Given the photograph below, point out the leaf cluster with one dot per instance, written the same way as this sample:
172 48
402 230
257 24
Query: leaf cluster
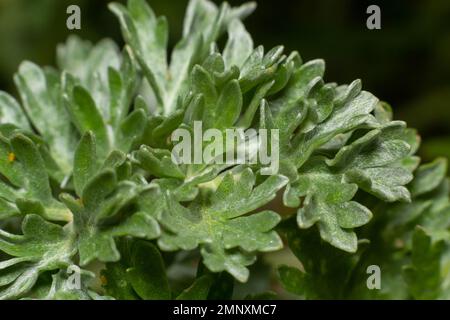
87 179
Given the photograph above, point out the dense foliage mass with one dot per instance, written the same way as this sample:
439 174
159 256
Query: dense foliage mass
88 185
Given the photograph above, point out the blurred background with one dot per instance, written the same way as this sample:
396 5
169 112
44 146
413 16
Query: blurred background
406 63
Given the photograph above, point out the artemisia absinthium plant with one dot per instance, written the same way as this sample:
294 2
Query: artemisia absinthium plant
88 185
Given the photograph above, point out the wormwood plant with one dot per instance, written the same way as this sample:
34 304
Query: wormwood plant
88 186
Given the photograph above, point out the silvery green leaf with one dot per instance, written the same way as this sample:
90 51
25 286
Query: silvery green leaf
63 287
98 214
260 68
28 186
11 112
40 93
239 45
328 204
158 163
147 35
87 117
90 64
228 239
85 161
43 246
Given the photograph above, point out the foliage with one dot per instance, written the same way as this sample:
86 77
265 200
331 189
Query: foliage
87 173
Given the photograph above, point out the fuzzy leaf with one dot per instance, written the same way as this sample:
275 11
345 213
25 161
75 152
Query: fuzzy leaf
239 45
39 91
44 246
11 112
85 162
328 203
22 165
146 34
99 214
228 239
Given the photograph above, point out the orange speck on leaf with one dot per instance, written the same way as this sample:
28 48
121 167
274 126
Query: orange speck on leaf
11 157
103 280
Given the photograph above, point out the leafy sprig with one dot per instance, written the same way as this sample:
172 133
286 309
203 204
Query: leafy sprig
87 178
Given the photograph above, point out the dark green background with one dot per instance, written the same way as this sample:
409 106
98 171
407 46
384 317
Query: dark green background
406 63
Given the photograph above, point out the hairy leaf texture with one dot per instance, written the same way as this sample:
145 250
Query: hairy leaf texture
88 179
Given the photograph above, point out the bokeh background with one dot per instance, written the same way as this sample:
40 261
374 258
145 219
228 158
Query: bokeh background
406 63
